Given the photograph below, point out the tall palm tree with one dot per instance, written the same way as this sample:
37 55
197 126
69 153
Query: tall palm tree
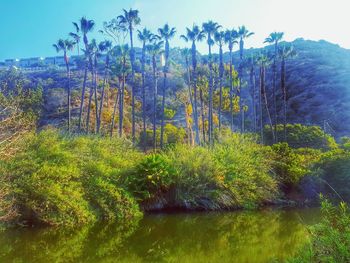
86 26
264 61
285 53
243 34
220 40
166 33
231 37
210 28
76 36
104 47
155 49
65 46
145 37
194 35
274 38
131 19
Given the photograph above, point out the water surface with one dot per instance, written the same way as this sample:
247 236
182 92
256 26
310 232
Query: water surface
247 237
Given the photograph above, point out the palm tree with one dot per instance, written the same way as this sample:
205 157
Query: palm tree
210 28
65 46
284 53
155 50
131 19
231 37
243 34
145 37
274 38
264 61
76 36
166 33
86 26
105 46
220 40
194 35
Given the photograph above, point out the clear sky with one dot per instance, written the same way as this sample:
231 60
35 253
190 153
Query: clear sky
30 27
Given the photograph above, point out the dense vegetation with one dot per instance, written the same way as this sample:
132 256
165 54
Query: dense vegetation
121 156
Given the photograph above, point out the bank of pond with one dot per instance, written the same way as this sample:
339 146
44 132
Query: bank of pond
78 181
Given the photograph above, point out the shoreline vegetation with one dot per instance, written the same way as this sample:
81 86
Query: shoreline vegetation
102 163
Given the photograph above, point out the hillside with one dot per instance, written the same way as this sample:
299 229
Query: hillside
318 84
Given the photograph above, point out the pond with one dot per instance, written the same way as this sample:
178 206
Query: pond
243 236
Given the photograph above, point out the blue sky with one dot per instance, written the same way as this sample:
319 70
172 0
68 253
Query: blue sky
30 27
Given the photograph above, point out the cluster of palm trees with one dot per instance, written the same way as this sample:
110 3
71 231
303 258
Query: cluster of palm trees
155 48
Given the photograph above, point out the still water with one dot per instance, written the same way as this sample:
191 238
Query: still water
247 237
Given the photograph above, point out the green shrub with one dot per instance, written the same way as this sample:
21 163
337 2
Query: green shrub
247 167
330 239
59 180
334 172
302 136
291 165
152 176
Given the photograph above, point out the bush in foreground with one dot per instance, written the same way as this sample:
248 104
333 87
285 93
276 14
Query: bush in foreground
59 180
330 239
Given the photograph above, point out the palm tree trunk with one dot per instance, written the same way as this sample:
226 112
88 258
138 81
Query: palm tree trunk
210 117
284 91
231 91
202 113
115 110
155 90
260 106
253 84
68 92
132 59
221 73
267 105
274 94
143 97
82 97
121 103
163 109
95 96
105 81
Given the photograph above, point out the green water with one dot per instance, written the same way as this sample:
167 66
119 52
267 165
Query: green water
251 237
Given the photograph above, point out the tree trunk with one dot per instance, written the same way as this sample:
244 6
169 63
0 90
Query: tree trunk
221 74
143 97
253 84
202 113
274 93
105 81
115 110
82 97
261 105
132 59
68 92
267 105
155 90
231 91
163 115
284 92
195 110
121 103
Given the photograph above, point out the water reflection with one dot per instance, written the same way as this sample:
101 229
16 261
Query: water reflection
214 237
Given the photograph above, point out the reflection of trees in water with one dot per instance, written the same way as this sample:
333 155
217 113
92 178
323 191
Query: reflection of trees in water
213 237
